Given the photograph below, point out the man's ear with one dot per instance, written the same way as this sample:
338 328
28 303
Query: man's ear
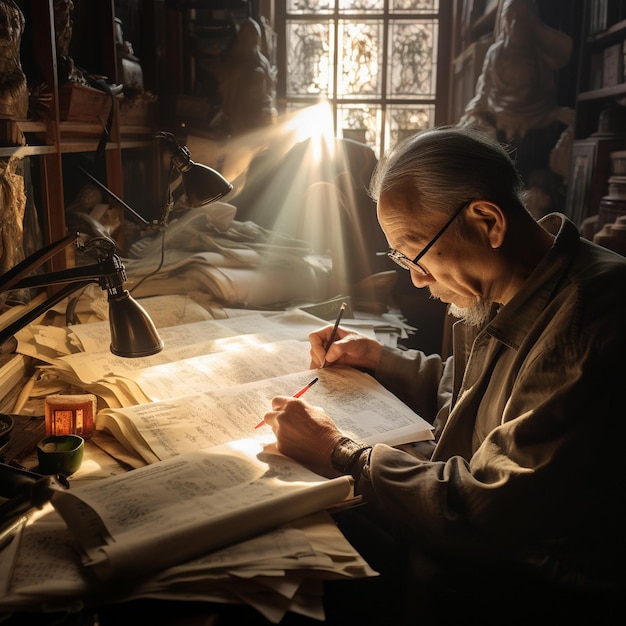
490 220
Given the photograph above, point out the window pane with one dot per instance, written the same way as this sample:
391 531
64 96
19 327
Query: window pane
403 121
309 58
383 83
414 6
412 70
360 122
360 6
360 59
303 7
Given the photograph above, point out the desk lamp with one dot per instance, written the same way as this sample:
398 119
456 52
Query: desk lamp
201 184
133 334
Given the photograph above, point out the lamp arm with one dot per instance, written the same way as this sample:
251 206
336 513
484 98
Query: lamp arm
115 197
23 268
108 271
96 272
32 314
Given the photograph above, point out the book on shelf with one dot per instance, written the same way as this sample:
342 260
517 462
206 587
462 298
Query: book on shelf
14 370
596 70
597 16
613 68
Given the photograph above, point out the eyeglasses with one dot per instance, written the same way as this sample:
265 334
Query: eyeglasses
405 263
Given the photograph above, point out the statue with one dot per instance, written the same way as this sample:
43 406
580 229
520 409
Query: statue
248 82
67 71
12 208
515 92
13 87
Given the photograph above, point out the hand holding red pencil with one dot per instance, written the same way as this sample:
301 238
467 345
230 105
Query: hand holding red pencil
295 395
303 432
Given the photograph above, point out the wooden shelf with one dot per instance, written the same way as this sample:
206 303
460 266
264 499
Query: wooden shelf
606 92
614 32
76 115
598 130
26 151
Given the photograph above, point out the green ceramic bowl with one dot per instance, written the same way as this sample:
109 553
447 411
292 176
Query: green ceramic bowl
60 454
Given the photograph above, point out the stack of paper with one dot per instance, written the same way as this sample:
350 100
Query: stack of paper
275 572
261 539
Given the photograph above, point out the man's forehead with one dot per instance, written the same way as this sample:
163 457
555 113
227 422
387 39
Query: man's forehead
400 226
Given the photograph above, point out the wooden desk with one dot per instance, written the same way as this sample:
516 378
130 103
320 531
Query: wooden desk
27 431
20 452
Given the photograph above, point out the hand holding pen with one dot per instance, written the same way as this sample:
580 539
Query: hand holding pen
333 333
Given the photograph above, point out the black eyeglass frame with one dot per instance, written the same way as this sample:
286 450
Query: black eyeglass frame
412 264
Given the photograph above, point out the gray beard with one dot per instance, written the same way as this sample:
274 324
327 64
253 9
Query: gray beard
476 315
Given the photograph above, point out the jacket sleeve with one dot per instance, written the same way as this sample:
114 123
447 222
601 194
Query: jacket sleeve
423 382
536 485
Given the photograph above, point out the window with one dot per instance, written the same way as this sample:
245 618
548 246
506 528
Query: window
375 61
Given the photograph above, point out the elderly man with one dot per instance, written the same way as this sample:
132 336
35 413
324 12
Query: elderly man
526 477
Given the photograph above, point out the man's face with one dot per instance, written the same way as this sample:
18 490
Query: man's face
455 264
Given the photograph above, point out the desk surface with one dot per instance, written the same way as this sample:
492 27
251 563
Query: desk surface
27 431
21 452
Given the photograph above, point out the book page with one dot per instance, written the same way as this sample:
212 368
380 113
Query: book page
95 337
241 359
166 513
237 360
181 342
278 561
360 406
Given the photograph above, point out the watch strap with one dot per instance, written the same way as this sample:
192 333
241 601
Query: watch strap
346 454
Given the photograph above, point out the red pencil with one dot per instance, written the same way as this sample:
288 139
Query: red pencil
295 395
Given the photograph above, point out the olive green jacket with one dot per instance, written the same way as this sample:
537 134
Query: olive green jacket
529 465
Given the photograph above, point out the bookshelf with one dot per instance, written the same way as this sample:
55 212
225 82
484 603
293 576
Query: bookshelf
600 125
65 122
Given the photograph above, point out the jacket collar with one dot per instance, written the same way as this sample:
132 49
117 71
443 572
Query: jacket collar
514 320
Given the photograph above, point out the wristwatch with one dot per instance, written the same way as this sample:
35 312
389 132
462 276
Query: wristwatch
346 453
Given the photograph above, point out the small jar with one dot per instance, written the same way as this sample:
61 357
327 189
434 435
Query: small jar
70 414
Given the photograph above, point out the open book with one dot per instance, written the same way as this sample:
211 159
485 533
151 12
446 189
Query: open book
360 406
143 521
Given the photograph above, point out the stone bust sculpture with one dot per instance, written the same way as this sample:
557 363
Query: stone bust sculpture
515 91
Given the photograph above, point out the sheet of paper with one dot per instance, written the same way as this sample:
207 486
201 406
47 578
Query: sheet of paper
277 562
360 406
181 342
242 360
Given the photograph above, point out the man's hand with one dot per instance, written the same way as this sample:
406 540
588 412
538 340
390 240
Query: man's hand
349 348
304 433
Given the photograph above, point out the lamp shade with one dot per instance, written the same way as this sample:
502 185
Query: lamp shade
133 333
202 184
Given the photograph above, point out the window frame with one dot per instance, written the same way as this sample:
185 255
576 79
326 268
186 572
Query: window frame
440 102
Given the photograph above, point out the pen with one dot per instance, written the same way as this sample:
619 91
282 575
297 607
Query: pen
329 343
295 395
